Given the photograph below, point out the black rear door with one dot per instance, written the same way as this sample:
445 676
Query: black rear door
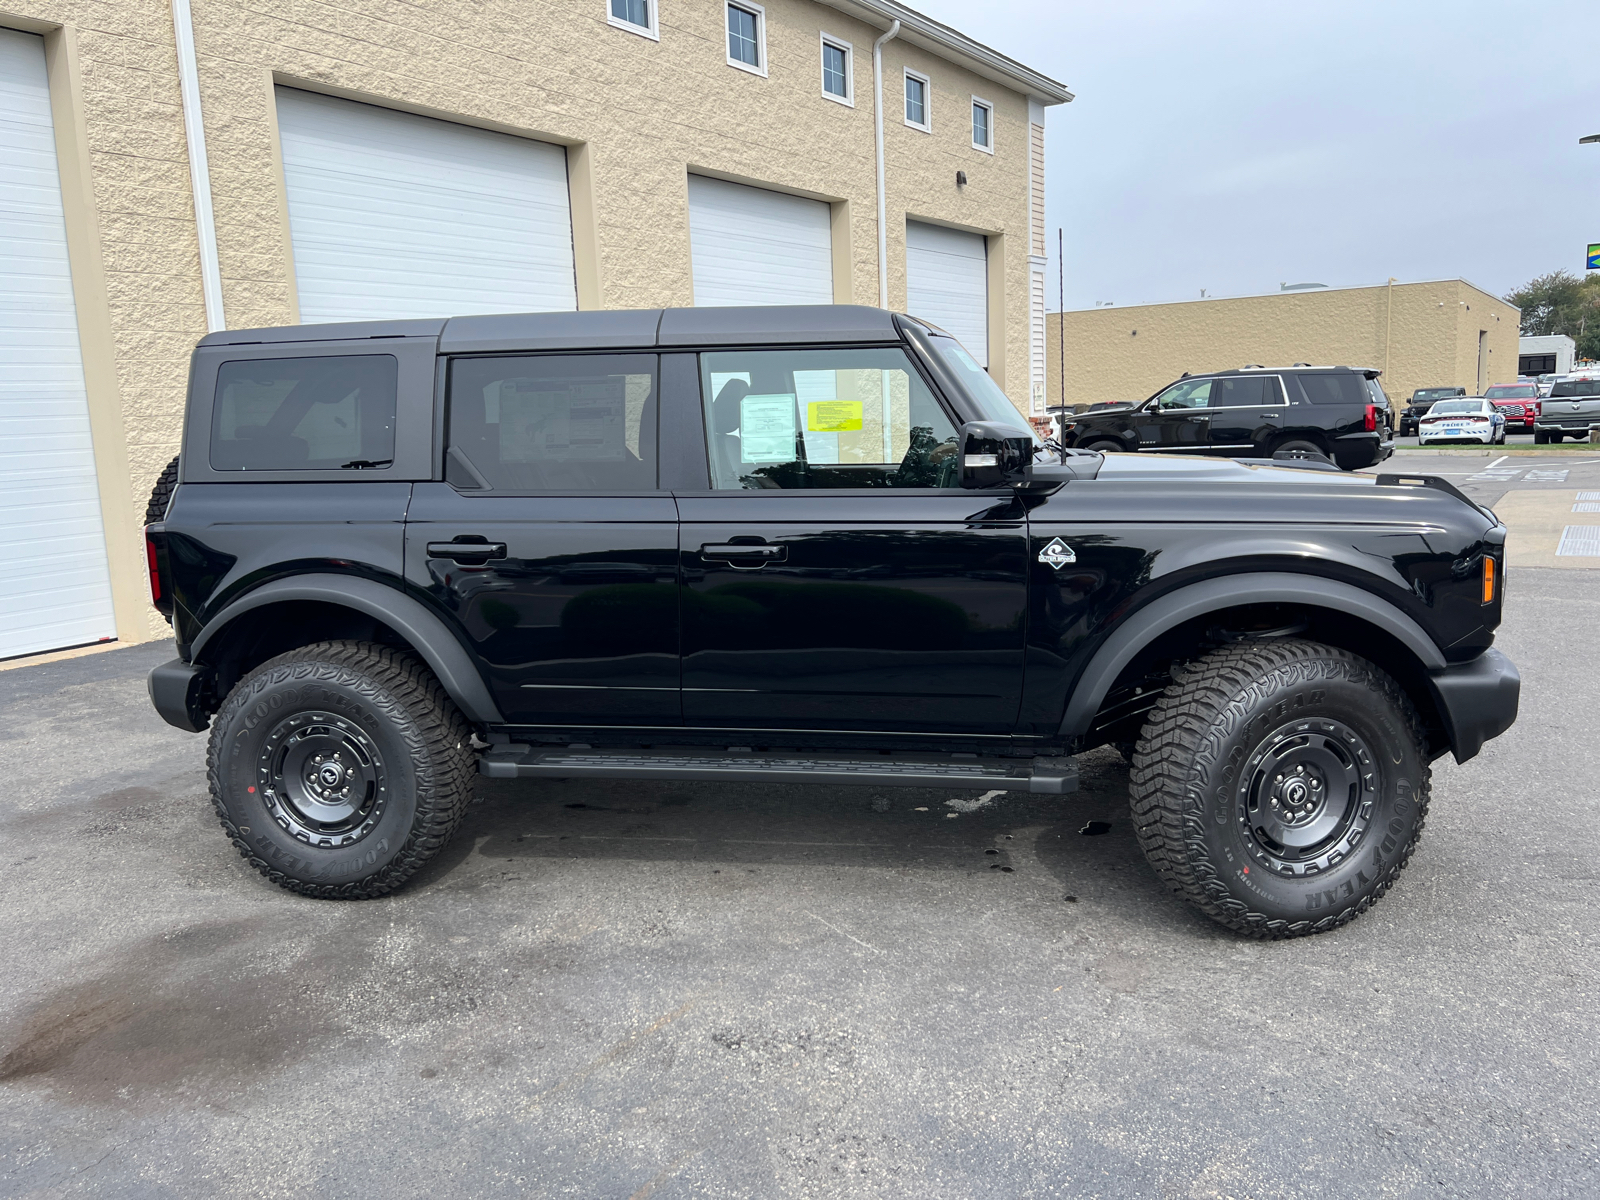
549 543
834 578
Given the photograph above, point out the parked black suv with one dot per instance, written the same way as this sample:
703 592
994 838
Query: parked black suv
1421 401
791 545
1339 413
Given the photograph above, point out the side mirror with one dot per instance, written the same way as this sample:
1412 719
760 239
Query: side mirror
993 455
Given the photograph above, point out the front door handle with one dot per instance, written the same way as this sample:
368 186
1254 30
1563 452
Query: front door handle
474 552
744 555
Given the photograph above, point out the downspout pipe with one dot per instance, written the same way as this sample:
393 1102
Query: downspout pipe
199 172
877 111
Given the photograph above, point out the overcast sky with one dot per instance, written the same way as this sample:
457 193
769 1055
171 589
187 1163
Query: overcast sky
1234 145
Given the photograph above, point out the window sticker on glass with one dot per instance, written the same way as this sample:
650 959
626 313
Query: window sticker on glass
767 428
833 416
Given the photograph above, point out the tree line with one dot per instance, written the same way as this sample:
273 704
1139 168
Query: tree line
1560 302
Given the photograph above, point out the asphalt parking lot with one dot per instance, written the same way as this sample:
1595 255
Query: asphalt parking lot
624 990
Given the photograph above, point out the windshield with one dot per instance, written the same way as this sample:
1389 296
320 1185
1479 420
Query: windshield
1513 391
1576 387
1445 407
985 392
1423 395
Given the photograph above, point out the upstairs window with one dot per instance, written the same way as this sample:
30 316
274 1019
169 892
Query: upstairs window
836 73
636 16
917 101
747 37
982 125
305 414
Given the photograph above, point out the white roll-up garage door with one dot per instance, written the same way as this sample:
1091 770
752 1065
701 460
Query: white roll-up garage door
55 589
752 246
947 283
395 215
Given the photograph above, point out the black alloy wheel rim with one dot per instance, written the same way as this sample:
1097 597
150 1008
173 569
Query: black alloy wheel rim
322 779
1306 795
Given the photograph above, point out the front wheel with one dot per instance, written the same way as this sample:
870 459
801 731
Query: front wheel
340 768
1280 786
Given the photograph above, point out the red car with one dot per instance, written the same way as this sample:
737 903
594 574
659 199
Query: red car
1518 401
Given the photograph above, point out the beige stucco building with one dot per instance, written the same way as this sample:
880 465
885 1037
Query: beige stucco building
1442 333
711 151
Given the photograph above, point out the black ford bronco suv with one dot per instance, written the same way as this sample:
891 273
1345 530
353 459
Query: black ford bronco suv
1338 413
810 544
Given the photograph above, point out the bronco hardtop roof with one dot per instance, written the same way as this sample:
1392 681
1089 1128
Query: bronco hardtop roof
602 328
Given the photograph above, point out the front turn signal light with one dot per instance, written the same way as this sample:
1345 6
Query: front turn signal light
1488 580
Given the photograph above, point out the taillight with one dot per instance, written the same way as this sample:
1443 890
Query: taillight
155 571
1488 580
1372 418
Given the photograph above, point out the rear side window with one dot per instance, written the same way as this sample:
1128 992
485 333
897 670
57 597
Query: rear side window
557 423
1335 389
1242 391
305 414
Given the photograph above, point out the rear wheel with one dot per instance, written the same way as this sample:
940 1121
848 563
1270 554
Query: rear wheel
1103 445
1280 786
340 768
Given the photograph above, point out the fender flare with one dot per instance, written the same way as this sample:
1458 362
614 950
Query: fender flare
1210 595
425 632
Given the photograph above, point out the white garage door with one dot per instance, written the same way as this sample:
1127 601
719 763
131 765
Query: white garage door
752 246
395 215
947 283
55 589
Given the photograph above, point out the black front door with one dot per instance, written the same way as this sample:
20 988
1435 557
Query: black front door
887 611
549 545
832 579
1178 420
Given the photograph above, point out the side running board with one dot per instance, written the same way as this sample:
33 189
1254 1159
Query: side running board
1051 776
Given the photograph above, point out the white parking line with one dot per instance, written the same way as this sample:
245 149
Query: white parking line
1497 462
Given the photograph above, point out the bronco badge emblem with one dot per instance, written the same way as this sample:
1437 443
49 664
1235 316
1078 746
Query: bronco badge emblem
1058 554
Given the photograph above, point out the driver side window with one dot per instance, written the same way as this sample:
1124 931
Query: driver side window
1189 393
847 418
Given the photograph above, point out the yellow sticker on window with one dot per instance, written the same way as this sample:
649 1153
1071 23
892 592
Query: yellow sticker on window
833 416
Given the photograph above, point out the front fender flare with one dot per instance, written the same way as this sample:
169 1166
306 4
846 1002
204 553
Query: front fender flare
422 630
1230 591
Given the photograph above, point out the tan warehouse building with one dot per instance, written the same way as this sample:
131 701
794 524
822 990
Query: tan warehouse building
162 172
1444 333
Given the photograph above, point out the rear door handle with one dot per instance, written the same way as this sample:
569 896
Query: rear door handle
1271 416
467 551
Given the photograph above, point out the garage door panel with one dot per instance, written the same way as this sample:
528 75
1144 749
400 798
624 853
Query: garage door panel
55 590
753 246
394 215
947 283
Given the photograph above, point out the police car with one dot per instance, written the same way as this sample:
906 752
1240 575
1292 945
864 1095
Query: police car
1469 419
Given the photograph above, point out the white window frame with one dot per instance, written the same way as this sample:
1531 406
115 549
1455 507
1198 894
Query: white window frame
988 107
760 14
927 101
849 97
651 31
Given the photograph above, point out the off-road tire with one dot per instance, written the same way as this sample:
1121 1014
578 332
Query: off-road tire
1196 757
384 698
161 494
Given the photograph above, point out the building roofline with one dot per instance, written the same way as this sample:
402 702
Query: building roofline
940 39
1353 287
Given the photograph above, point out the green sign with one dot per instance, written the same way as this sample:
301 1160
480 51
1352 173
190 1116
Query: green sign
1594 258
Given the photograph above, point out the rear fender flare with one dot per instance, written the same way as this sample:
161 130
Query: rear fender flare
1213 595
422 630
